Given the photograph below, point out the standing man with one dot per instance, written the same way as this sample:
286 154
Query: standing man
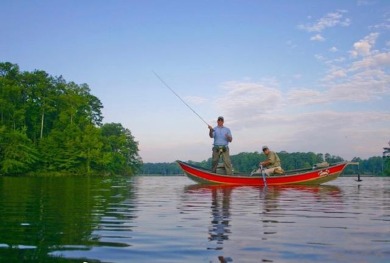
272 163
222 136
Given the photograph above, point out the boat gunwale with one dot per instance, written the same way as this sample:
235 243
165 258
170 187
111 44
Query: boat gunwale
310 177
284 175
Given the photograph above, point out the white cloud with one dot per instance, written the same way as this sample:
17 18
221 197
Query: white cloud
377 60
305 97
363 78
329 20
244 100
362 86
317 37
385 25
363 47
319 57
336 73
333 49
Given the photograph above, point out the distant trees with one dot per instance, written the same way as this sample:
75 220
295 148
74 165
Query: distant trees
50 125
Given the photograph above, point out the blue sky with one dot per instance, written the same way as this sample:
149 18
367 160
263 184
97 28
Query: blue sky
297 76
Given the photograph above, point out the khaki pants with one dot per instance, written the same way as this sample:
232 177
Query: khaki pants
268 171
224 153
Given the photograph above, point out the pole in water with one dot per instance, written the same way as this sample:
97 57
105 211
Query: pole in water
358 172
263 175
166 85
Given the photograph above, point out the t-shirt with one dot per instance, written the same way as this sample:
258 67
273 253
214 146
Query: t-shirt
274 160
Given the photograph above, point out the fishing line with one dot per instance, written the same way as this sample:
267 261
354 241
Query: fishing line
166 85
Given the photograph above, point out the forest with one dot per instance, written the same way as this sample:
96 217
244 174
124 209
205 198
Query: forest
54 127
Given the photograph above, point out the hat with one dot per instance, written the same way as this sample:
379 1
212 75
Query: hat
265 147
220 118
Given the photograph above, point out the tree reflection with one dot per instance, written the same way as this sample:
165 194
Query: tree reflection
42 215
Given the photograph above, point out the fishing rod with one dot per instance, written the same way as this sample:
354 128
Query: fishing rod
166 85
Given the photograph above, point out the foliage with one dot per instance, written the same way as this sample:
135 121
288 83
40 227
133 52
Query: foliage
19 154
50 125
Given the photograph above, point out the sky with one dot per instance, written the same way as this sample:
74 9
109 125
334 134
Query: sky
297 76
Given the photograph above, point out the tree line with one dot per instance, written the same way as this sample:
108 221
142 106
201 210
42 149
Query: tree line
49 125
245 163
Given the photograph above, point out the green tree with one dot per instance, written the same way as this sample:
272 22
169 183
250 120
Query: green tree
17 153
12 111
120 150
41 100
90 147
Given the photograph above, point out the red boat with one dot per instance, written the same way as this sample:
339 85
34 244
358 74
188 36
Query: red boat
314 176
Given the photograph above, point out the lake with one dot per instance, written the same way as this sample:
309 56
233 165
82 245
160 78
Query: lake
171 219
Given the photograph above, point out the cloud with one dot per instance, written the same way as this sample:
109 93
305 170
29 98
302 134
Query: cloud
335 73
319 57
249 100
329 20
385 25
317 37
363 47
363 86
374 61
306 97
362 78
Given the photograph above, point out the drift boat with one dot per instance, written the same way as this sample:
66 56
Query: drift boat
313 176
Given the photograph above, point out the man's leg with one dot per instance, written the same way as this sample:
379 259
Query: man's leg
215 159
227 162
269 171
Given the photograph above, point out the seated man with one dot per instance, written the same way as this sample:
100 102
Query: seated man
272 163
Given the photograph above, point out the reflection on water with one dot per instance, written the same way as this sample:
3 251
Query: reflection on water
39 215
168 219
220 211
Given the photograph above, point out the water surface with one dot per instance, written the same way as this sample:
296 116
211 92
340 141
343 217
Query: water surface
170 219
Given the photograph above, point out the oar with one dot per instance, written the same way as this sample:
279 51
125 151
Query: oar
263 175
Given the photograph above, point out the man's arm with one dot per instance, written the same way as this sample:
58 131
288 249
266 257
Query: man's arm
211 130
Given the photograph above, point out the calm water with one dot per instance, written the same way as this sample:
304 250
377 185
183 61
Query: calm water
169 219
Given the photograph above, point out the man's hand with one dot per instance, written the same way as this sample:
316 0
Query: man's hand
228 137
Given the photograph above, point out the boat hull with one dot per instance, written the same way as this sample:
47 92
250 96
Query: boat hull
311 177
